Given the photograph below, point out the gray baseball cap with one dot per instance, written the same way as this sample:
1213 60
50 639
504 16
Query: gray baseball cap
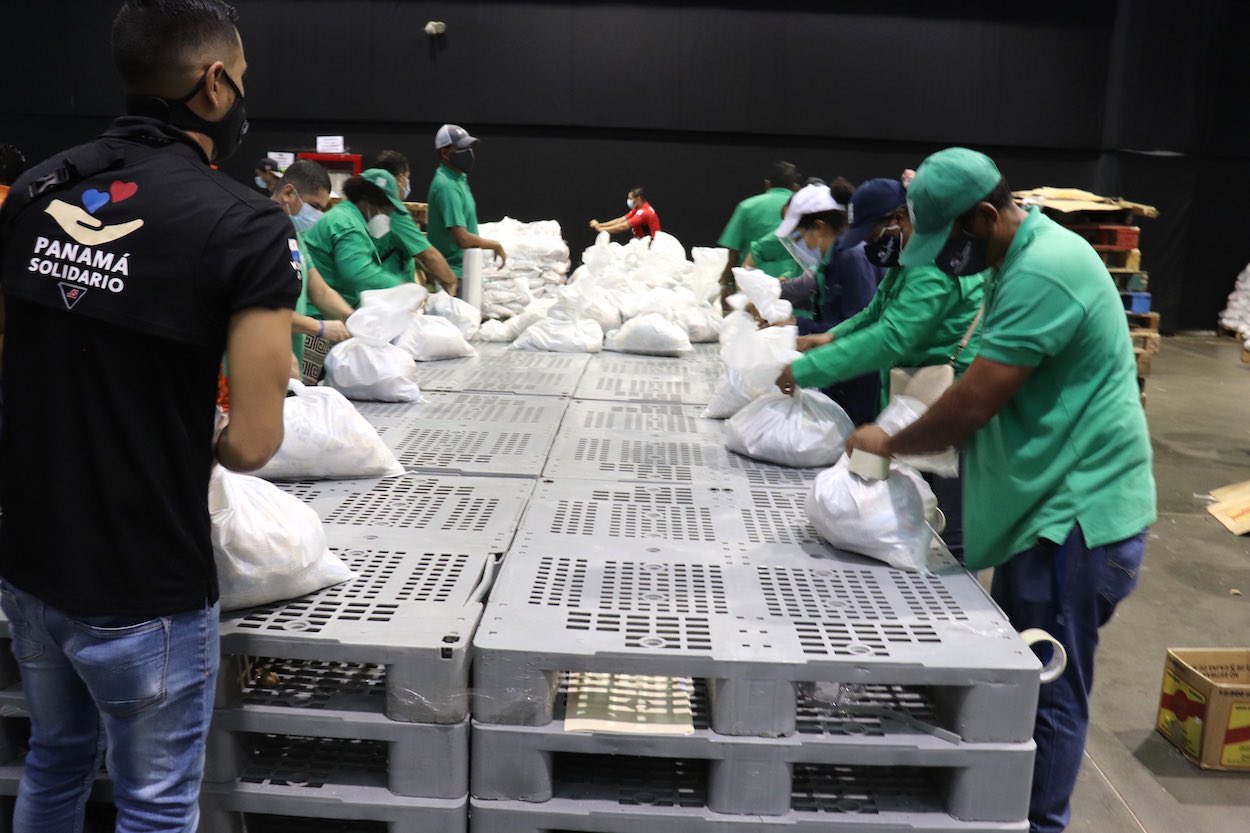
453 135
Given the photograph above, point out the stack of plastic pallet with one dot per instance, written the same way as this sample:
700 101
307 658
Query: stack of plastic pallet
825 691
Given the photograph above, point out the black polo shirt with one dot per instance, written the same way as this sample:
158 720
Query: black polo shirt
120 277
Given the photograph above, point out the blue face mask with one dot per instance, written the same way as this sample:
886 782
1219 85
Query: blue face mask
809 257
260 182
306 218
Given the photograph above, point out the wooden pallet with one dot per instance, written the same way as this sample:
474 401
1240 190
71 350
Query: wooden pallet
1123 261
1143 320
1111 237
1225 332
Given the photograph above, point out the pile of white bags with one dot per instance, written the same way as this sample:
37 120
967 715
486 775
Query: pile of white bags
763 291
538 264
430 338
805 430
883 519
651 334
268 545
326 438
464 315
1236 316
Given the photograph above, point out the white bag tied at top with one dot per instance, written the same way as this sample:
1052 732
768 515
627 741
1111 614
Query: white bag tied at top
753 361
429 338
268 545
805 430
764 293
362 370
882 519
649 335
326 438
464 315
556 335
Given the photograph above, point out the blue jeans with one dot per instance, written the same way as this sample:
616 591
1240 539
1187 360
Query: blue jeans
1071 591
142 691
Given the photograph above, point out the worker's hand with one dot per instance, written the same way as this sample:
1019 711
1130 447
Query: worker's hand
336 331
500 254
872 439
786 383
451 288
907 177
813 341
726 289
594 224
785 322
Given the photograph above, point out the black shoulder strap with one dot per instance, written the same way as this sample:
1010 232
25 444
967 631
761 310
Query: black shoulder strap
80 163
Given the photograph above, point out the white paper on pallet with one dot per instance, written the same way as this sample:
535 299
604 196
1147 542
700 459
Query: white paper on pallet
882 519
806 430
649 335
326 438
363 370
268 545
429 338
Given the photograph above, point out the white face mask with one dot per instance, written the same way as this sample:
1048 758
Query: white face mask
379 225
629 203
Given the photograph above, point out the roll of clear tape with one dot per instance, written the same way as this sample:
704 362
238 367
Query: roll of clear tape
1054 669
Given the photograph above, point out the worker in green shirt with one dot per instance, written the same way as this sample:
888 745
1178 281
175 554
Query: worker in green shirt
754 217
452 210
1058 489
343 245
304 191
406 245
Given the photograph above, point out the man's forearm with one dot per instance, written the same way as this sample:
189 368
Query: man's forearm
951 421
615 227
727 277
436 265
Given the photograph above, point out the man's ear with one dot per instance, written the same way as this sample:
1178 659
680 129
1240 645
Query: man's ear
985 220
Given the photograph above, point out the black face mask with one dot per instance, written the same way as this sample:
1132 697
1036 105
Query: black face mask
884 251
226 134
963 255
463 160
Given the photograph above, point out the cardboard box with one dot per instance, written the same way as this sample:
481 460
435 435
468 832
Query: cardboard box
1204 709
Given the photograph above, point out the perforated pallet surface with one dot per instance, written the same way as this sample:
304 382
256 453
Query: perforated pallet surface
513 371
467 409
654 456
303 808
410 609
477 448
648 386
425 509
710 523
756 627
594 417
878 726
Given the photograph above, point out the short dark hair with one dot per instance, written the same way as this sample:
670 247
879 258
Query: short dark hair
842 189
359 190
307 176
833 218
156 42
784 175
638 192
393 162
12 164
1000 197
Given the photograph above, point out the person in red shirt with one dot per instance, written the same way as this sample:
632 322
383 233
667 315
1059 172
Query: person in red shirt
641 217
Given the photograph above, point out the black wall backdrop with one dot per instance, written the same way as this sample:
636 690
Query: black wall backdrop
577 102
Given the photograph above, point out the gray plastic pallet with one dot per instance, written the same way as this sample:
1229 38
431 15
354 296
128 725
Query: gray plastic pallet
623 795
425 509
600 518
467 409
546 374
413 610
424 760
307 806
654 456
477 448
589 416
753 630
887 726
647 386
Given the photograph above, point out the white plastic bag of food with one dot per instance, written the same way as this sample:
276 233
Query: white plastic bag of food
586 299
464 315
374 372
408 297
902 412
649 335
429 338
379 324
555 335
882 519
702 323
806 430
764 292
268 545
326 438
753 361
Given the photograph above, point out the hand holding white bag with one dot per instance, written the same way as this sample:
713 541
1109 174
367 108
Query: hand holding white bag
802 431
326 438
429 338
764 292
464 315
408 297
753 361
902 412
882 519
268 545
374 372
649 335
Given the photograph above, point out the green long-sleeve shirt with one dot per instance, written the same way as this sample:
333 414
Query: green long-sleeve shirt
771 258
916 319
345 254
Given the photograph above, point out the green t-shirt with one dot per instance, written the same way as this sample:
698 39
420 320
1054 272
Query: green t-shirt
917 318
342 250
753 217
301 306
398 248
771 257
451 204
1071 447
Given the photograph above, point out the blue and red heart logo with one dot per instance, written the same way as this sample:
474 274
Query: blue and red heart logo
118 191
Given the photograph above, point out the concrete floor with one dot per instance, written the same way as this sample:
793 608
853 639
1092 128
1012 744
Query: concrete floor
1133 780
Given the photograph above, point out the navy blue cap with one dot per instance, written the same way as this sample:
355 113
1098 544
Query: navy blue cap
873 200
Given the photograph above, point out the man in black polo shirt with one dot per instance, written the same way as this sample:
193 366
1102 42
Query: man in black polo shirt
128 267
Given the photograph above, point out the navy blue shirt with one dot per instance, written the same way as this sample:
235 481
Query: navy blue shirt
845 283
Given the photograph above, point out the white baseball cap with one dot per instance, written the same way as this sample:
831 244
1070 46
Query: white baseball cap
810 199
453 135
